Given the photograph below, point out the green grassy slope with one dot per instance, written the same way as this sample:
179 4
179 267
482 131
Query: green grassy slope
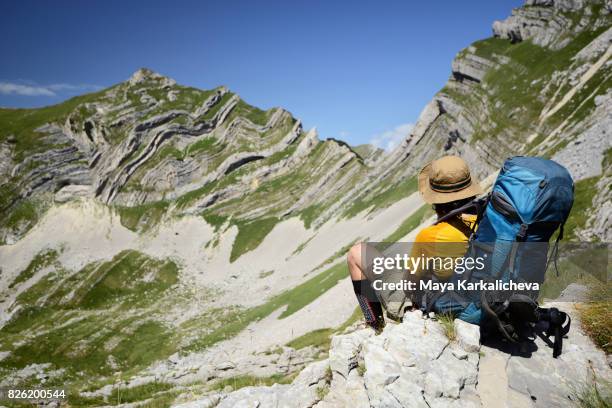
71 320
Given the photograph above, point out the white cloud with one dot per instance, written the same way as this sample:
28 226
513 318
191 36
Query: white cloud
71 87
7 88
32 89
390 139
344 133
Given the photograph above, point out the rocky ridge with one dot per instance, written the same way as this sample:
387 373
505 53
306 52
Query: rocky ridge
501 100
149 142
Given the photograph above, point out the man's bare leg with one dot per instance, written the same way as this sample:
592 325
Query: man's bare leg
366 296
353 260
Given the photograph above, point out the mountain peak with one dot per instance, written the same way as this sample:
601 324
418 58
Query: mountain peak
144 74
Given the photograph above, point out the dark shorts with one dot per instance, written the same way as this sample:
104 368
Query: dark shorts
395 300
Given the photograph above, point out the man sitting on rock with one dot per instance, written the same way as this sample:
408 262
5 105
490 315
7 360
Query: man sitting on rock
447 184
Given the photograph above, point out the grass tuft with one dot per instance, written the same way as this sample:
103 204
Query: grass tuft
138 393
593 395
252 381
447 321
596 315
317 338
265 274
322 391
361 368
321 338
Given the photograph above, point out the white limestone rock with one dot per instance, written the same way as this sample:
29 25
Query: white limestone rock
344 350
468 335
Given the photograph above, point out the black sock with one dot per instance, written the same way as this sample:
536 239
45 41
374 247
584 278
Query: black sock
368 301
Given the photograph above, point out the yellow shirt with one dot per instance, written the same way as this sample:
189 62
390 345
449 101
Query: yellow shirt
446 240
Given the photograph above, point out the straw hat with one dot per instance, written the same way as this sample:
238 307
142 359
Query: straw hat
447 179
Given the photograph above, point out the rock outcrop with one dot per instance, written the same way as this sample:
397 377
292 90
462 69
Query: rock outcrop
304 391
540 22
414 364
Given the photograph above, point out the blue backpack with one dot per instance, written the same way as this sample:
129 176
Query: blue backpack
530 200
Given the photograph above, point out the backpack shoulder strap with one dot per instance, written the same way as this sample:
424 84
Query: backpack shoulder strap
478 204
554 254
458 223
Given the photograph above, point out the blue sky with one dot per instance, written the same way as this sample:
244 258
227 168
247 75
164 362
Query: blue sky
357 70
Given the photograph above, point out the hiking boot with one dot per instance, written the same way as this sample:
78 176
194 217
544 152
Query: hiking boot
393 317
378 325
